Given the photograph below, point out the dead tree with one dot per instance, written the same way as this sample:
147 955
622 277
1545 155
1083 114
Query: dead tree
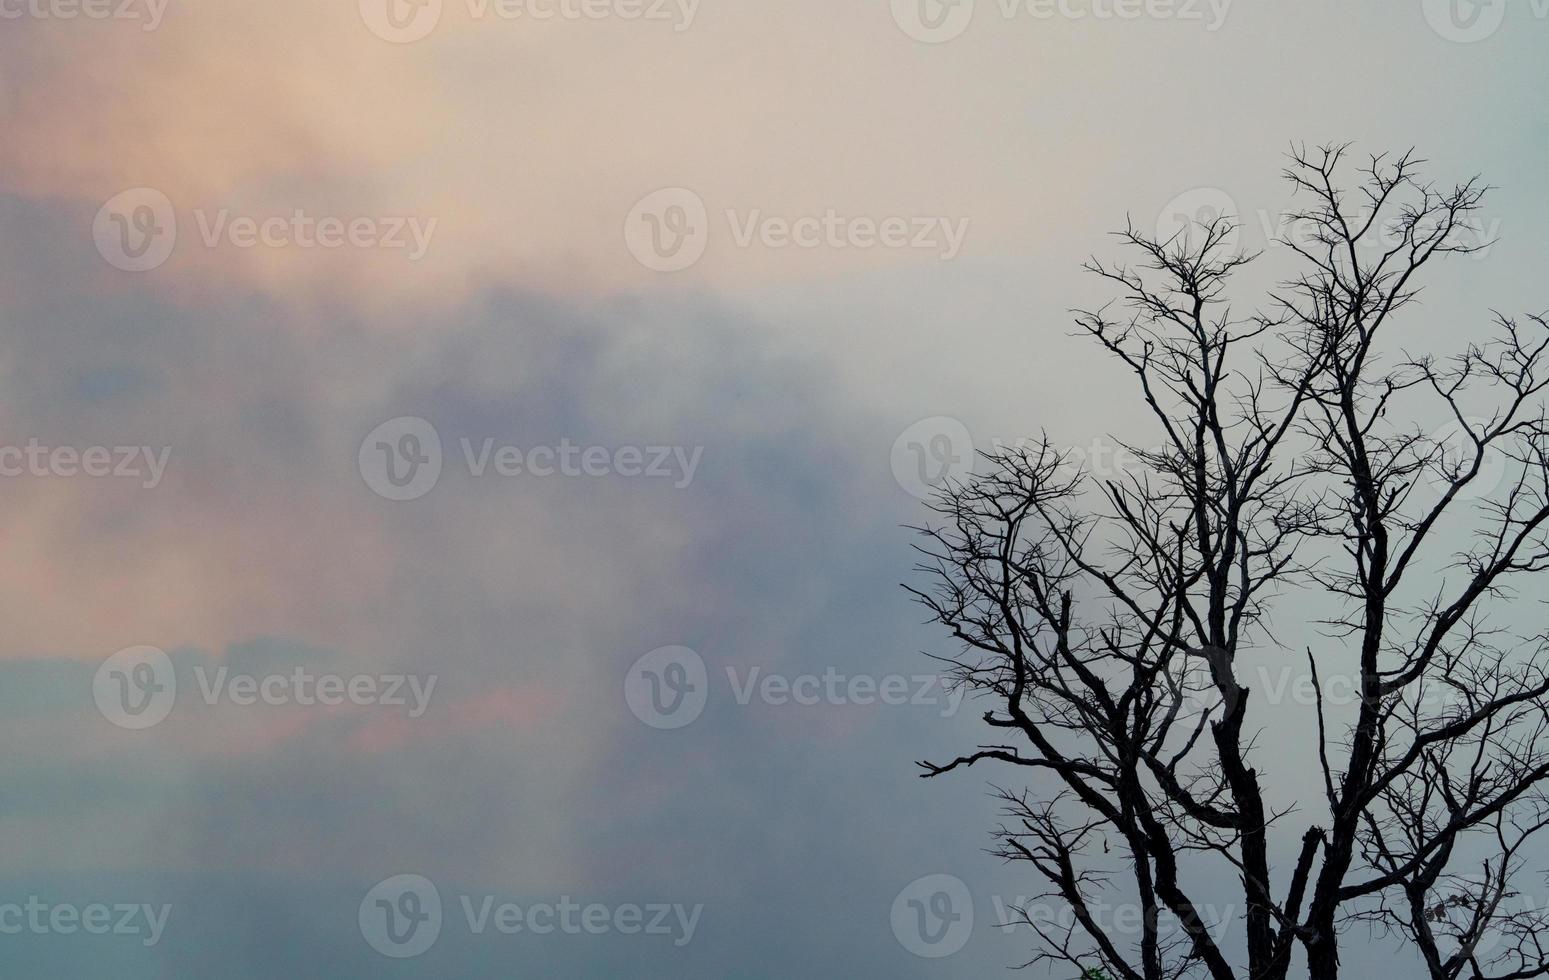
1296 460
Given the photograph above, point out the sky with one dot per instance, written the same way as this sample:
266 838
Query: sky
455 454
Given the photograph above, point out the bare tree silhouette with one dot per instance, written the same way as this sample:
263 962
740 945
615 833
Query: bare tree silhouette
1104 617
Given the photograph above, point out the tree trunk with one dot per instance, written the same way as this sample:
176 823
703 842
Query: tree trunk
1323 954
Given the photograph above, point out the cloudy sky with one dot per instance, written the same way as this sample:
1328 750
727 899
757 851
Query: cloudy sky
456 440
